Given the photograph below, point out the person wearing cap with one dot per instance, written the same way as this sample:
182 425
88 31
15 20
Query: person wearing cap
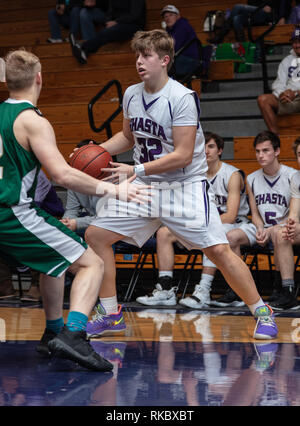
182 32
285 96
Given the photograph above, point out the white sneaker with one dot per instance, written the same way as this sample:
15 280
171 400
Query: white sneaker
159 297
200 299
54 40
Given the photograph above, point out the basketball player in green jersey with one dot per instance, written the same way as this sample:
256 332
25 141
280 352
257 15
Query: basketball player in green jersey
28 235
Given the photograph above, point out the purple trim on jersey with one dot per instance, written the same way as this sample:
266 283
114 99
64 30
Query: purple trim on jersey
213 181
129 104
271 184
170 110
242 173
150 104
197 101
206 200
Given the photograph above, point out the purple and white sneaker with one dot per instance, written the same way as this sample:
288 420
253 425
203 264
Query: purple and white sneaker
266 327
103 323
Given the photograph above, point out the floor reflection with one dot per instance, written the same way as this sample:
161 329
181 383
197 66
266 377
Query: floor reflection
163 373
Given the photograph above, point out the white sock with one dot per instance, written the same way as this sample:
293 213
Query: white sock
165 274
256 305
206 281
110 304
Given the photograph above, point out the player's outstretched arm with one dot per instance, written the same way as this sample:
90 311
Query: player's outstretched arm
36 133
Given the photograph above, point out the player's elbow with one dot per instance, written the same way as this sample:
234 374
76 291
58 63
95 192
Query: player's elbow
62 177
186 159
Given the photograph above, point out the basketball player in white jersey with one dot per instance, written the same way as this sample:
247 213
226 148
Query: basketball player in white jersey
285 238
269 198
161 122
229 192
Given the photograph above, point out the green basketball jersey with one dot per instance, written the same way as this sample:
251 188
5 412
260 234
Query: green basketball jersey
18 168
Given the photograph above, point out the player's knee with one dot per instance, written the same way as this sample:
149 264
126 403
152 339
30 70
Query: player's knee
262 100
216 253
278 237
89 260
163 234
95 259
91 236
234 239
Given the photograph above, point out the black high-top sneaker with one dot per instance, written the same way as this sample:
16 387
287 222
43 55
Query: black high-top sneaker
75 346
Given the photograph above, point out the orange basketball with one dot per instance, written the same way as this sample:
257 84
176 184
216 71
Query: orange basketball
91 159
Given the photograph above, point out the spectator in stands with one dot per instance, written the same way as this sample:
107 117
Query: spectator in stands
66 15
269 198
266 12
285 96
81 210
294 17
183 33
228 184
123 19
285 238
92 13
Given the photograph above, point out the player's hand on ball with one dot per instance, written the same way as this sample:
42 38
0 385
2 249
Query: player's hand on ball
119 172
127 191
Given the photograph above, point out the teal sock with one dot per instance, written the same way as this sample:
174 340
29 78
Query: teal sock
55 325
77 321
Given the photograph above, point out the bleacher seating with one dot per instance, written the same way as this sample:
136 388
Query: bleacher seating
68 87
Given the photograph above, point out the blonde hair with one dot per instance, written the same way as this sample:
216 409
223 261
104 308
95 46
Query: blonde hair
21 68
157 40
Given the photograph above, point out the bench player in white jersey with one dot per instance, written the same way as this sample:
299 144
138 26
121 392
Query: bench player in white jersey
161 122
229 191
269 198
285 238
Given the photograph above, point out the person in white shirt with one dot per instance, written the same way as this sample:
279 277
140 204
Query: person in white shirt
285 96
285 238
269 199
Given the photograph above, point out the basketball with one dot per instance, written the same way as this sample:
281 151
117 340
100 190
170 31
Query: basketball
91 159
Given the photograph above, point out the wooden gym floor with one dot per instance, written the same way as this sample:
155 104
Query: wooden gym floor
166 358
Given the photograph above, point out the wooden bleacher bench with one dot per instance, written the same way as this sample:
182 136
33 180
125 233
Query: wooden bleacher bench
249 166
244 153
280 35
244 150
288 124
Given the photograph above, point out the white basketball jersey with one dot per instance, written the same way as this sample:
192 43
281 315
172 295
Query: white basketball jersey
272 194
219 185
295 185
152 117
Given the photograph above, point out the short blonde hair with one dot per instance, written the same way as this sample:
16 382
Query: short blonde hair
21 68
157 40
